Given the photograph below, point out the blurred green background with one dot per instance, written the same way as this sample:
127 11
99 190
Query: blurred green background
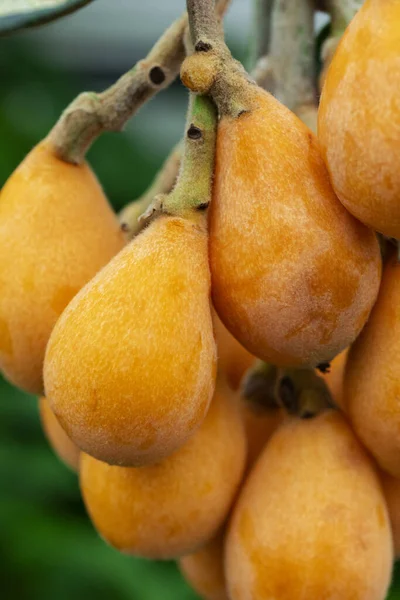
48 548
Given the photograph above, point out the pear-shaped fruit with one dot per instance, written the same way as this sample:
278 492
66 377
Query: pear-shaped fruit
334 378
294 275
65 449
176 506
204 569
372 375
56 231
233 359
359 117
130 366
391 490
311 521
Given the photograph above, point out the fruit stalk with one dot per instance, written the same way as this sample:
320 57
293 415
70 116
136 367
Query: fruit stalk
91 114
291 53
202 22
193 188
211 69
166 177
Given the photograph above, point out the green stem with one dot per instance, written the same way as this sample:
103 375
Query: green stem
194 185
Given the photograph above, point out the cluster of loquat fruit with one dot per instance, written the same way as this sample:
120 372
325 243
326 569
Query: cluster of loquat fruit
263 486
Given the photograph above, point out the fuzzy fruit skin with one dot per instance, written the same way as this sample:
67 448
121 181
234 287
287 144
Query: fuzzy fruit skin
233 359
335 378
204 569
62 446
174 507
313 273
311 521
56 231
391 490
359 117
372 378
130 366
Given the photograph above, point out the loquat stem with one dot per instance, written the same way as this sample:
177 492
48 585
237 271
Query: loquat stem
204 27
194 186
211 69
292 53
290 70
91 114
163 183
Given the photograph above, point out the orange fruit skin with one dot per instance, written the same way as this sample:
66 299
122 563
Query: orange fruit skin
359 117
311 521
294 275
233 359
130 366
56 231
335 378
391 490
372 378
176 506
60 443
204 569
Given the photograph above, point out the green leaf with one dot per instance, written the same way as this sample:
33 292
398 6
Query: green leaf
20 14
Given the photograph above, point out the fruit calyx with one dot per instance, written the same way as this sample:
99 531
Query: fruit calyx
302 393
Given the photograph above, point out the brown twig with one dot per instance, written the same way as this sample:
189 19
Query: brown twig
91 114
